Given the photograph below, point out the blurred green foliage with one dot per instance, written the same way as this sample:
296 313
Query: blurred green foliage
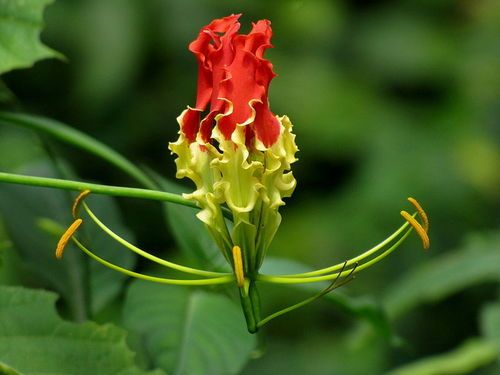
388 99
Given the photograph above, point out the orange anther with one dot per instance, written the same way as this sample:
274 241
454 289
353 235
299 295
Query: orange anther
421 213
77 202
61 245
238 266
418 228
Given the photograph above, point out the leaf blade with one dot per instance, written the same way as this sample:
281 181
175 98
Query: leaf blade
209 327
20 25
34 339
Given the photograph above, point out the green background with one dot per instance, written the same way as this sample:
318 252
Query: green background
388 100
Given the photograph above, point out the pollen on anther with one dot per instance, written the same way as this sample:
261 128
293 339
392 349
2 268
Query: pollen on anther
238 266
77 202
418 228
61 245
421 213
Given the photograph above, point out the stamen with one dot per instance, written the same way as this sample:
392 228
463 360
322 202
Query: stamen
280 279
238 266
77 201
147 255
210 281
418 228
421 213
357 259
61 245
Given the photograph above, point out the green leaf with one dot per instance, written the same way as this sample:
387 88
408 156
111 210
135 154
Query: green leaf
436 279
35 340
21 22
186 331
468 357
25 207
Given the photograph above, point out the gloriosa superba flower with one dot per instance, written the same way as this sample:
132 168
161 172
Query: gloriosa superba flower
239 156
231 145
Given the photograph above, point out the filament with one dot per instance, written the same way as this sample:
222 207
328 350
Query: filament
145 254
354 260
302 280
410 220
210 281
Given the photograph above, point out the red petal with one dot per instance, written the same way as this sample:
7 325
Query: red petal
190 123
203 48
240 87
207 124
266 126
261 33
233 72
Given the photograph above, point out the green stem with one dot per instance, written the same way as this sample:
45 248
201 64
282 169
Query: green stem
95 188
251 305
81 140
117 191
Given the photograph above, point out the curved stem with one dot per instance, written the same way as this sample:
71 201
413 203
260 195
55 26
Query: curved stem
81 140
212 281
145 254
296 280
96 188
354 260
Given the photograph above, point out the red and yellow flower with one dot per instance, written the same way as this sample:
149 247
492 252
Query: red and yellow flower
239 155
231 145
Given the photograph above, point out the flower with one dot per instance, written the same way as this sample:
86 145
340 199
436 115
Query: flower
231 145
239 155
